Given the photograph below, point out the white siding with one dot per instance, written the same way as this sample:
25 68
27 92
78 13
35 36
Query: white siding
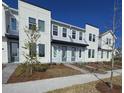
4 51
25 11
92 45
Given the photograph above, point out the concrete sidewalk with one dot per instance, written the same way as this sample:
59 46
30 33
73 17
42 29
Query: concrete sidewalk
7 71
42 86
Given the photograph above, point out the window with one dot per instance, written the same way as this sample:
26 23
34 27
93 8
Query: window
90 37
64 34
32 49
94 38
79 53
93 53
55 51
55 30
89 53
41 25
32 23
73 34
109 41
13 24
41 50
101 54
80 35
107 54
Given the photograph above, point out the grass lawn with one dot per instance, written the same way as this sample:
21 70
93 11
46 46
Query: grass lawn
92 87
58 70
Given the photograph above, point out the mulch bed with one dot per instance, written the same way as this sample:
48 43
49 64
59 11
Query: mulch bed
103 88
58 70
3 66
98 67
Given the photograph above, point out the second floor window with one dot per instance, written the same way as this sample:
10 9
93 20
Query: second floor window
107 41
90 37
41 25
73 34
13 24
80 35
55 30
64 33
94 38
32 23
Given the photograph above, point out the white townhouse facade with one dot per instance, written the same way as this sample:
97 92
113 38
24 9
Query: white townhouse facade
59 42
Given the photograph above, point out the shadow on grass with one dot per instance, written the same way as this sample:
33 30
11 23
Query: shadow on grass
104 88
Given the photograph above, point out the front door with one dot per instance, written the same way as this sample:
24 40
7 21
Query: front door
14 52
73 55
64 53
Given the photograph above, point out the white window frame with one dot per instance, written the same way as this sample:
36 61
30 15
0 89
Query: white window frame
57 29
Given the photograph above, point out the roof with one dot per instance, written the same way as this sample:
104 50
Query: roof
66 24
13 9
109 31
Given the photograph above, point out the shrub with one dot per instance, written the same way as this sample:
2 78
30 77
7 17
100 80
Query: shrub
40 67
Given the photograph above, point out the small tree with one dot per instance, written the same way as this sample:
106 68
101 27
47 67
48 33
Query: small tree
30 44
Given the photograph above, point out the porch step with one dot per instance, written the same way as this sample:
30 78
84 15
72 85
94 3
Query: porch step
76 68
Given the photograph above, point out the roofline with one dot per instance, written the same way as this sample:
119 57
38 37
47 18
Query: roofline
92 25
107 32
60 22
35 5
13 9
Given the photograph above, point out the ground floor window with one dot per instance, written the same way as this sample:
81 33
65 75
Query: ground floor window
89 53
73 54
101 53
55 51
32 49
107 54
93 53
41 50
79 53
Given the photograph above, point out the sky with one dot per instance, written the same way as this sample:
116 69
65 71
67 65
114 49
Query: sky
98 13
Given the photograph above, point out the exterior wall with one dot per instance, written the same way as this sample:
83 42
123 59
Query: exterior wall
92 45
4 50
69 34
3 21
104 56
25 11
104 39
58 58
